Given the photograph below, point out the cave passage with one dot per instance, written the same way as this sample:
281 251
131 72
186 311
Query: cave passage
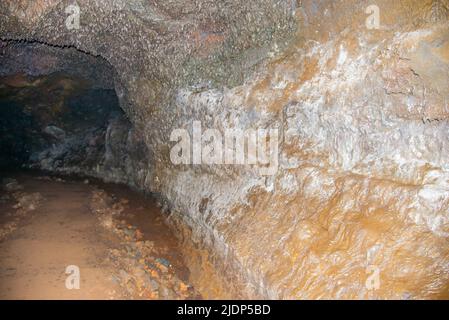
75 237
56 105
55 120
238 149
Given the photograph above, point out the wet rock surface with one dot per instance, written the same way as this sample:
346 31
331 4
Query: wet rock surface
363 174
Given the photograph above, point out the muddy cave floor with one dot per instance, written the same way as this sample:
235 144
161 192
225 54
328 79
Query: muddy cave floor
116 237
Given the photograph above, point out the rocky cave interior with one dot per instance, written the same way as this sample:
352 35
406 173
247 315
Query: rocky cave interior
59 119
362 187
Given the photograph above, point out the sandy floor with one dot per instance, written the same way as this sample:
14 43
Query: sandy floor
61 229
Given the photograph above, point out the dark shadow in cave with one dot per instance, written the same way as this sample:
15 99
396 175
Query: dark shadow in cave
59 113
56 105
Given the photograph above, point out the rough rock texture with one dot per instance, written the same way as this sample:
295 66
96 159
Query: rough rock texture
364 175
60 113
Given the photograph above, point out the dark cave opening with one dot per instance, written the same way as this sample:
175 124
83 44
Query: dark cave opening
60 116
56 105
51 116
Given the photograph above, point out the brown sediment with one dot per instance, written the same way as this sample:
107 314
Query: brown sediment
134 257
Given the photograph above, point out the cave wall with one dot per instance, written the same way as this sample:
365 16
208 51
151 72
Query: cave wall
363 178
